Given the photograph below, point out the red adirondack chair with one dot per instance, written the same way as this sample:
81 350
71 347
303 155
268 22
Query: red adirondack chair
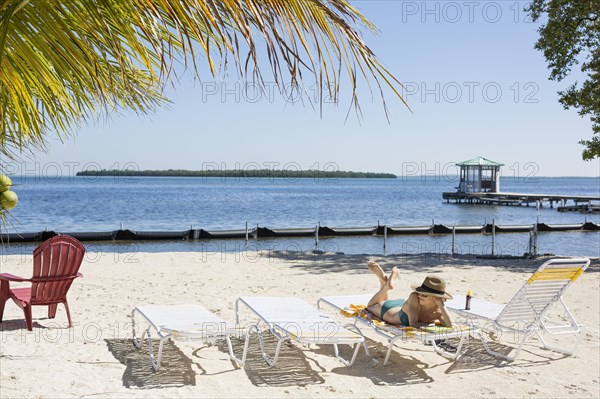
55 265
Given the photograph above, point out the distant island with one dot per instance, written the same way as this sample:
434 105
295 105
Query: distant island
240 173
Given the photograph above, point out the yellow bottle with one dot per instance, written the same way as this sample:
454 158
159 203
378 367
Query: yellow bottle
468 302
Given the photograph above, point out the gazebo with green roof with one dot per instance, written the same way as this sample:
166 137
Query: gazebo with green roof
479 175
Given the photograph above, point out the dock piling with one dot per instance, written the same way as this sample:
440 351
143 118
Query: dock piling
493 235
453 239
533 241
384 238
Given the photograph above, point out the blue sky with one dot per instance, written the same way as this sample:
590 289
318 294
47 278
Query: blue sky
474 82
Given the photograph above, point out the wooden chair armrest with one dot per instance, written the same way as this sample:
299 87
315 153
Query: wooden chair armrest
11 277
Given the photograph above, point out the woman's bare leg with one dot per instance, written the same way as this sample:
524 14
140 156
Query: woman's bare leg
378 271
382 295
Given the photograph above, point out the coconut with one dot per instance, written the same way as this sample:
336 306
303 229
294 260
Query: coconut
5 182
8 200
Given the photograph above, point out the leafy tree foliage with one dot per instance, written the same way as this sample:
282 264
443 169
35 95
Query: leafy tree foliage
571 36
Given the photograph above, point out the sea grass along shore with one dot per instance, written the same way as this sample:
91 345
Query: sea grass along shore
241 173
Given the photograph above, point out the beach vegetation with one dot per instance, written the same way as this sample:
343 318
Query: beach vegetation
241 173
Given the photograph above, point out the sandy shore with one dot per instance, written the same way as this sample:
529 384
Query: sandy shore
96 359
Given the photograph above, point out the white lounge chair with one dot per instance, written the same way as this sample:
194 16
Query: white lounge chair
348 305
293 319
185 322
527 312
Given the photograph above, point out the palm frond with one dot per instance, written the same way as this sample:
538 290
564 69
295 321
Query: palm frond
63 63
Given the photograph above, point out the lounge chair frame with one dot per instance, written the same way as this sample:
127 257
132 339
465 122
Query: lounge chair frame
393 334
199 324
525 314
287 328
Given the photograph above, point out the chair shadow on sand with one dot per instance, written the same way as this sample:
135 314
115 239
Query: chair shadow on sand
176 368
292 369
403 368
476 358
20 324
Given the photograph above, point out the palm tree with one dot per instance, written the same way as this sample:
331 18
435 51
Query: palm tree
66 62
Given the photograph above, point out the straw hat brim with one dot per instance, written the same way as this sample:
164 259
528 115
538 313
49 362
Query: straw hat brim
418 289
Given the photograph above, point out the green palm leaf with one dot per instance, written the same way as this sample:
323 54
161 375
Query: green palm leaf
64 63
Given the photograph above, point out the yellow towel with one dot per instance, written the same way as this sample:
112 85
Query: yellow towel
437 328
361 311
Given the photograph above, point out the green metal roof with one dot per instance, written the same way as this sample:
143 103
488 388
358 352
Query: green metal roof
479 161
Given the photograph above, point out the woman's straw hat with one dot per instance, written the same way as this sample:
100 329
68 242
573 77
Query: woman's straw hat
433 286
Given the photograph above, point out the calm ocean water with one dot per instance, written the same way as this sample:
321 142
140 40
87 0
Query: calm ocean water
65 204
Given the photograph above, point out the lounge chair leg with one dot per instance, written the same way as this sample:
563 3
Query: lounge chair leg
262 345
277 349
389 352
52 310
28 317
460 345
565 351
501 355
159 356
272 362
155 363
3 297
68 313
352 359
553 328
391 347
136 343
240 362
354 327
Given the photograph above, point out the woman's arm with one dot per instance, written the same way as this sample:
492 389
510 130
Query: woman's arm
411 308
445 318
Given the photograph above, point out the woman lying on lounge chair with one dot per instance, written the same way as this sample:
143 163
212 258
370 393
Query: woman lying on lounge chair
424 306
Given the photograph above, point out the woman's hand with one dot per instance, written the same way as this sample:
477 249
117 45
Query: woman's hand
441 301
439 304
444 316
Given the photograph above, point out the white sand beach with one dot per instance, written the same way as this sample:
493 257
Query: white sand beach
96 359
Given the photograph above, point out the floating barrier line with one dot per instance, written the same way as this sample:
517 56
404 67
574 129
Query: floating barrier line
316 232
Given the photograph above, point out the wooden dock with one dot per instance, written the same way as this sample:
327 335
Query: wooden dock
585 208
583 202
